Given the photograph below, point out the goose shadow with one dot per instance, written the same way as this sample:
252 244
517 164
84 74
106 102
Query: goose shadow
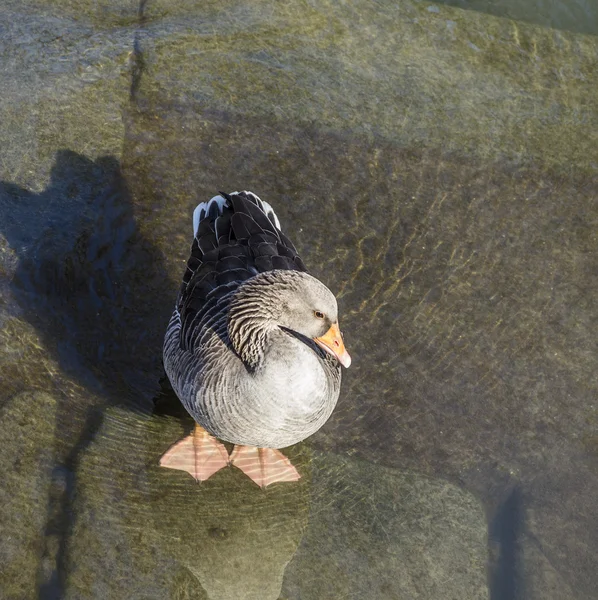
98 294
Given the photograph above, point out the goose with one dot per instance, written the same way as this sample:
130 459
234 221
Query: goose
253 349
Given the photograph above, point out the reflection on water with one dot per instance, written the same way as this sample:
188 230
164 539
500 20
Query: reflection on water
457 229
170 533
574 15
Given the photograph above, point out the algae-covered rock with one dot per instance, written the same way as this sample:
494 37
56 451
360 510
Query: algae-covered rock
457 80
64 85
26 492
381 533
454 278
142 528
372 530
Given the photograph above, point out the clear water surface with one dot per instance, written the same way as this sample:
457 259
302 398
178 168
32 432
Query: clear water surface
436 165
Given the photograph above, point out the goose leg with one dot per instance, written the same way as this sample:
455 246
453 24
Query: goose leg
263 465
199 454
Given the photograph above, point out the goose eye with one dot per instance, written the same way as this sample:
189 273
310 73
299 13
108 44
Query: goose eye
318 314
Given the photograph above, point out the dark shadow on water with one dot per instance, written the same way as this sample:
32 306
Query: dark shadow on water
578 16
60 509
505 530
95 290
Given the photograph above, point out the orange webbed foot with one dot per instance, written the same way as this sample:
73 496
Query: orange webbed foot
264 466
199 454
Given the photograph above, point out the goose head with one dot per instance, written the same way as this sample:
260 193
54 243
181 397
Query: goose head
293 301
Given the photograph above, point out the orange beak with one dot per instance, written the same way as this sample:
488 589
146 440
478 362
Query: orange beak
332 342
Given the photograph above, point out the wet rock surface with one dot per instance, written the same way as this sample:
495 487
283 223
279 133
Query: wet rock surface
436 168
27 493
382 533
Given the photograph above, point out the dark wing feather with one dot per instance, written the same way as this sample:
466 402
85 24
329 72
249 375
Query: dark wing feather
299 264
287 242
244 226
222 226
264 263
228 263
282 262
284 251
233 250
233 275
231 245
265 249
243 203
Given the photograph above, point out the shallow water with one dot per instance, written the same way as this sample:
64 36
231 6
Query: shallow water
436 167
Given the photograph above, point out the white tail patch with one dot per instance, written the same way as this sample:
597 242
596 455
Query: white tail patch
203 208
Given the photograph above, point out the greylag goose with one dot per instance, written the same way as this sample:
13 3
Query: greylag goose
253 348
